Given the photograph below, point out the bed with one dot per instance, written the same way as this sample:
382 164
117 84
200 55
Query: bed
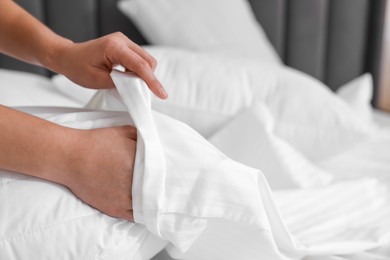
310 154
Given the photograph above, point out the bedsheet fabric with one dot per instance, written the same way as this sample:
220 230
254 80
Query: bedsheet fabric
26 89
210 207
195 201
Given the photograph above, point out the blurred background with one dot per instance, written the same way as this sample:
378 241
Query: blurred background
332 40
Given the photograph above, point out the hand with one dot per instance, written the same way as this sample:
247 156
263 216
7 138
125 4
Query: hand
89 64
102 170
96 165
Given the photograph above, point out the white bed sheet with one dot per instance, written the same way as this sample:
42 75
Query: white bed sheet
381 118
369 162
348 217
27 89
364 171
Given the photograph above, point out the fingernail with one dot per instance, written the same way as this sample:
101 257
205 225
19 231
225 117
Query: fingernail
163 93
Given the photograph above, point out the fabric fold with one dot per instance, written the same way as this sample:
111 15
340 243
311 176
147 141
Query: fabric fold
136 98
208 206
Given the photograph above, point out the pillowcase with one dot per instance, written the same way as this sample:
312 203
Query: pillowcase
358 94
311 117
204 25
204 91
207 91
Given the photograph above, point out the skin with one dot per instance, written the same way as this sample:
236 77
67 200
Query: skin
96 165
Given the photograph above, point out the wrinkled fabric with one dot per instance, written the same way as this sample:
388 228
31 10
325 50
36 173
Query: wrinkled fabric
210 207
192 199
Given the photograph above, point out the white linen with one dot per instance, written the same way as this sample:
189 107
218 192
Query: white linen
187 192
71 90
369 158
210 207
358 94
250 139
206 92
381 118
312 118
27 89
43 220
204 25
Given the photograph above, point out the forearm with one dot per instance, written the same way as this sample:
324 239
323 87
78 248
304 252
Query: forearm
87 64
25 38
34 146
96 165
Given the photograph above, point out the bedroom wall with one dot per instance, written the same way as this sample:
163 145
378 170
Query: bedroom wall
332 40
35 7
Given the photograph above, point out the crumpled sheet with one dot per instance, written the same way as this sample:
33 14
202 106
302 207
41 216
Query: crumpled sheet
204 204
210 207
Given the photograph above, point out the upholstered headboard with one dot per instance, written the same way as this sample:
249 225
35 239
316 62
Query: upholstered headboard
333 40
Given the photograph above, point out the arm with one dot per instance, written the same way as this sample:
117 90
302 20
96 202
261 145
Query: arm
88 64
96 165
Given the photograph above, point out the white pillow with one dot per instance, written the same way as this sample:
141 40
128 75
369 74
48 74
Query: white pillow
44 220
358 94
311 117
207 91
205 25
71 90
27 89
204 91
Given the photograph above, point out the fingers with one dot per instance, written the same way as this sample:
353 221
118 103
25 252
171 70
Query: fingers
143 54
130 55
135 63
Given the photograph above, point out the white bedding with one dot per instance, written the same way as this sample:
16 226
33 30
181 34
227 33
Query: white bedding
381 118
346 219
340 218
27 89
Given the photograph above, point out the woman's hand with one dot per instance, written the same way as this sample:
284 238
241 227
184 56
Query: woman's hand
101 169
89 63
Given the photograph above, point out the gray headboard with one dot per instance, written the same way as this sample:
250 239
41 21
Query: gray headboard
332 40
